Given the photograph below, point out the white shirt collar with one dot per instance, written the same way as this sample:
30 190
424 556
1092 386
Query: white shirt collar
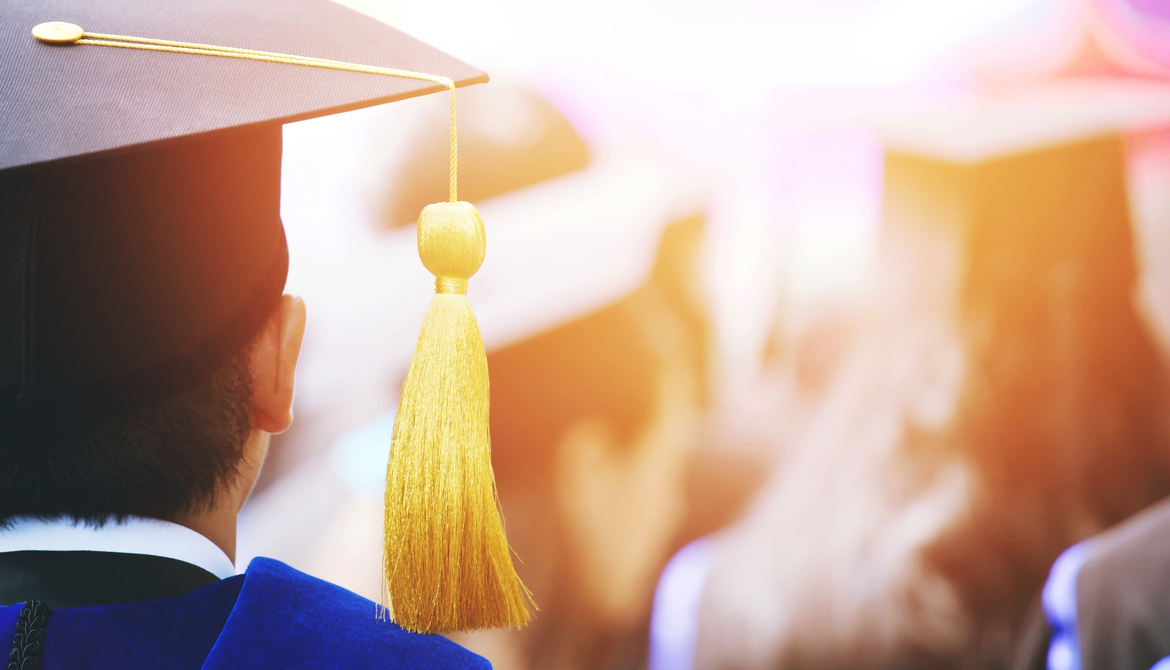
135 535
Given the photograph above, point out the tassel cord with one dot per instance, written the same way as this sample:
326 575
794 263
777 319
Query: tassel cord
149 44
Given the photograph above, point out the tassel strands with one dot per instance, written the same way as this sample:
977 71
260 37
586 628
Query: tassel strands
447 561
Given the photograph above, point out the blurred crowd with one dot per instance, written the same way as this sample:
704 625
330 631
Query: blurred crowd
799 359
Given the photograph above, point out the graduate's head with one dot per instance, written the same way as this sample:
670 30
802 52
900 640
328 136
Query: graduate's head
144 339
134 285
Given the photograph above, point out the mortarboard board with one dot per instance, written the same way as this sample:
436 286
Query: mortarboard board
970 129
142 245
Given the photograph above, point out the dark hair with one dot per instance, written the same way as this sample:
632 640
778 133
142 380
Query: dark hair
159 460
1063 414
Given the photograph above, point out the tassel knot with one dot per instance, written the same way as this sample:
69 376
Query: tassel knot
450 285
451 240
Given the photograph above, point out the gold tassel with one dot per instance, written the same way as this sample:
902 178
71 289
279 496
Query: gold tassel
447 562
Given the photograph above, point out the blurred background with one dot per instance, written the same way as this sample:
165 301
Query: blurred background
817 330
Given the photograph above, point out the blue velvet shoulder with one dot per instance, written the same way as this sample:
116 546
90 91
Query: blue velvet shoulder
287 619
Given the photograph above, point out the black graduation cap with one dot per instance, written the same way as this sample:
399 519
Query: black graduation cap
140 234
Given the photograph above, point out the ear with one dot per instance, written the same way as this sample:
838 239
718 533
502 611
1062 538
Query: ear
274 362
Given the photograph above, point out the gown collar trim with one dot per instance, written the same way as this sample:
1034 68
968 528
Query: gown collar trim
133 535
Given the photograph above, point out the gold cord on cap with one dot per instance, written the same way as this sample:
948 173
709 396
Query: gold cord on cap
60 32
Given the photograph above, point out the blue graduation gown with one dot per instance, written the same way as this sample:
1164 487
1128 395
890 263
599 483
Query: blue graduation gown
270 617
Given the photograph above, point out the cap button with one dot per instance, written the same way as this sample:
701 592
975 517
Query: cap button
58 32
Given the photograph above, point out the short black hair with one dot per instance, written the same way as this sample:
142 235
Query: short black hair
160 460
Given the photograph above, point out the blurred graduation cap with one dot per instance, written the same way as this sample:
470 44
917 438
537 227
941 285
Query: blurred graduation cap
549 264
141 243
1009 214
1040 168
